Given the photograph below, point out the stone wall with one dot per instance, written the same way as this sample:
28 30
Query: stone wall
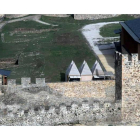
87 89
93 16
15 15
84 114
1 17
99 16
64 92
130 88
84 103
57 15
95 89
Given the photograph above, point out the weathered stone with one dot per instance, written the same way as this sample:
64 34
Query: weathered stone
25 82
40 82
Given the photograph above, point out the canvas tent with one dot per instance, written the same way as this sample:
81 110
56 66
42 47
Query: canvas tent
86 74
97 71
72 73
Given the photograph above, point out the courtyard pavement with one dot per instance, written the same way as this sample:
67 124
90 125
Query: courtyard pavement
104 52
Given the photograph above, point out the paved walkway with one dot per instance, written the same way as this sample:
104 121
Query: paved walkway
104 52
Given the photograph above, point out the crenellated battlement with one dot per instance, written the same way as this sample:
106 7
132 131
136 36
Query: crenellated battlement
84 113
130 59
26 82
127 58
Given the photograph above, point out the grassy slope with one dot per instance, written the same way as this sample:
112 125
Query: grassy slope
51 54
108 30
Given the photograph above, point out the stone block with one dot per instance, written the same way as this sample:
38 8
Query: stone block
11 82
40 81
96 105
25 82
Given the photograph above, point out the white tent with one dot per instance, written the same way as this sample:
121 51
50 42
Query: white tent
97 70
72 71
86 74
84 69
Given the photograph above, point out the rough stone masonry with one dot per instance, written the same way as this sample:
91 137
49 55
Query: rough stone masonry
94 101
83 103
130 88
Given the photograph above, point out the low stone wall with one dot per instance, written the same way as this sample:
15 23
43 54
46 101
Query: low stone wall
1 17
15 15
93 16
84 114
57 15
99 16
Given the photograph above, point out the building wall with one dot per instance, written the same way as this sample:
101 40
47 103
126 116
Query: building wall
128 42
86 78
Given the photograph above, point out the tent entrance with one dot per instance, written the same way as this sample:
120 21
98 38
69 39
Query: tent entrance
74 78
4 80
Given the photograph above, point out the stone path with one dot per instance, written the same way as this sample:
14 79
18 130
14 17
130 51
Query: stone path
105 52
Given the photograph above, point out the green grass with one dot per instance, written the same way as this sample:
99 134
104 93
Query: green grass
47 54
50 56
108 30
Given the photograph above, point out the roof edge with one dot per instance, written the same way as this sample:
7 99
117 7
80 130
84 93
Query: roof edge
130 32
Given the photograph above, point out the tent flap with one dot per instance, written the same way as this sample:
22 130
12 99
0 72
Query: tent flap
75 76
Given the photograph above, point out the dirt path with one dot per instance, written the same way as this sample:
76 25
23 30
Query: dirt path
33 18
105 52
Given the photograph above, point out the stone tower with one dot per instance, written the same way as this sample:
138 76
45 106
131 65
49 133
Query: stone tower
128 86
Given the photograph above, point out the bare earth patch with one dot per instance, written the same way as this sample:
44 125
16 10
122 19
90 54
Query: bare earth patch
66 38
31 30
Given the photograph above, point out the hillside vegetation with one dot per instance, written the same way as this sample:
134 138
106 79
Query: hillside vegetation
46 50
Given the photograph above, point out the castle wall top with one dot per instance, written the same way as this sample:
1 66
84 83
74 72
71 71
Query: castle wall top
131 59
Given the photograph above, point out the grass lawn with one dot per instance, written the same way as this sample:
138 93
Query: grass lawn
46 51
108 30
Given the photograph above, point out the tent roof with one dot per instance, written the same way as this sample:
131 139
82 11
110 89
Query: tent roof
72 69
84 69
96 69
5 72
